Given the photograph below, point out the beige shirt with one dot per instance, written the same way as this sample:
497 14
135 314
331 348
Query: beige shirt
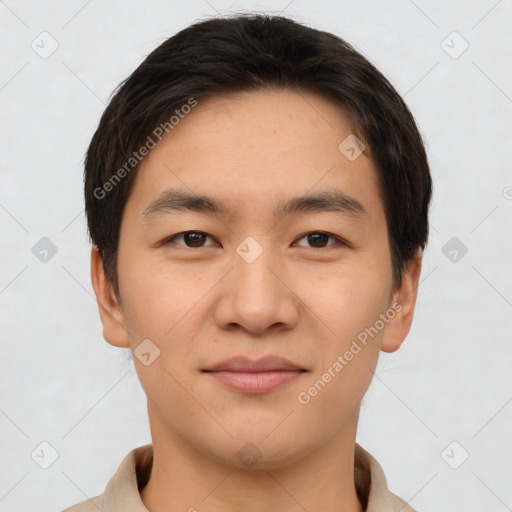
122 491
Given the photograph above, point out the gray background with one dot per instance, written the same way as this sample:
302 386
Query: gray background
61 383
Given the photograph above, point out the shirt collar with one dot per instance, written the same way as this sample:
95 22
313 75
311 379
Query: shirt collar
122 491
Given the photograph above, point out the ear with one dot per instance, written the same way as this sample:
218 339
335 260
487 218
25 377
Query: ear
404 299
111 314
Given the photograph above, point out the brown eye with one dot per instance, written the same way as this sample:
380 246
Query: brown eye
190 238
319 239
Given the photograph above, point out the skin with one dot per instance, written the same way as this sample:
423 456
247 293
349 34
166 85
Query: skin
201 305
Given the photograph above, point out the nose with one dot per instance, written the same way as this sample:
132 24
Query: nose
256 296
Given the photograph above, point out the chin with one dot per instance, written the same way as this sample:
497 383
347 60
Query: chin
253 451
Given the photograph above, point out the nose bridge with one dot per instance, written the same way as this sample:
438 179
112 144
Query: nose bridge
252 276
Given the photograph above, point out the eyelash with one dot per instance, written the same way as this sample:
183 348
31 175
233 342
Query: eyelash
339 241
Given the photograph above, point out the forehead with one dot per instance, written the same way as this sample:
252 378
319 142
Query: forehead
252 150
278 117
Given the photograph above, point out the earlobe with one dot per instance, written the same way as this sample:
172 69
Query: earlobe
111 314
398 327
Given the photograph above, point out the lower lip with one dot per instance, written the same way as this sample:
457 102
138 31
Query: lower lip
257 382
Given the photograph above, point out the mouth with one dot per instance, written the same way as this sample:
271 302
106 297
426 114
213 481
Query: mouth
260 376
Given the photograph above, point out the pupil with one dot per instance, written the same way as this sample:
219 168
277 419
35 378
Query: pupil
317 238
194 239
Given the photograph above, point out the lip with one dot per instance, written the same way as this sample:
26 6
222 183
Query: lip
259 376
246 365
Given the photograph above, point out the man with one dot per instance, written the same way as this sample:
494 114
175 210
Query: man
257 195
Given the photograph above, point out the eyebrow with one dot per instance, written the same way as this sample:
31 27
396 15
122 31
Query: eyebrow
335 200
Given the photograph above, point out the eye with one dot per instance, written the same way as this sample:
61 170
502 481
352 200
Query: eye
319 239
190 238
196 239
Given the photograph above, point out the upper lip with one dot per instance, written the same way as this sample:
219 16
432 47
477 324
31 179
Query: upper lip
244 364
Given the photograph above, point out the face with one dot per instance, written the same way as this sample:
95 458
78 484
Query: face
266 274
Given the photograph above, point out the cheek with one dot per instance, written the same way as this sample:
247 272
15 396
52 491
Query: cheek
167 307
159 307
155 297
350 306
349 301
348 354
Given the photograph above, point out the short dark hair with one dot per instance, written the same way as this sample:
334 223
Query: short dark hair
250 52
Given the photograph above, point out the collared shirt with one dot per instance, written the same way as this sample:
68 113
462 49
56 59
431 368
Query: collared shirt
122 491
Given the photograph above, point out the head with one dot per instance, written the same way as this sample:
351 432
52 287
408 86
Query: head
256 187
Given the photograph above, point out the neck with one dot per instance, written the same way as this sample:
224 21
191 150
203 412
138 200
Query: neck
184 479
